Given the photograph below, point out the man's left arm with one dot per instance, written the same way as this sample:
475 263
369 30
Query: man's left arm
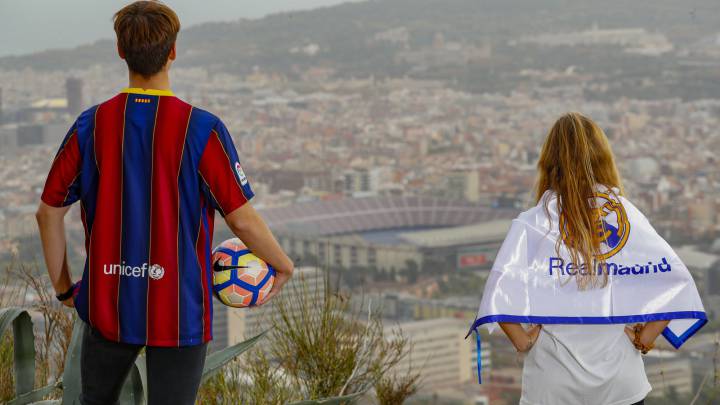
51 223
62 188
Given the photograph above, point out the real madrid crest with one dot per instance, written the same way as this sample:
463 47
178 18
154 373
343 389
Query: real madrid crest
613 226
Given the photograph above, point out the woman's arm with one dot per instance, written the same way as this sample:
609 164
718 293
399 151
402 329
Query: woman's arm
522 339
649 333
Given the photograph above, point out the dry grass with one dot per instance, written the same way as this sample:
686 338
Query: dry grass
327 350
267 384
25 285
317 348
9 296
52 345
396 389
224 388
250 379
7 381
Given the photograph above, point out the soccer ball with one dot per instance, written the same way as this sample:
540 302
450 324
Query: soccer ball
240 279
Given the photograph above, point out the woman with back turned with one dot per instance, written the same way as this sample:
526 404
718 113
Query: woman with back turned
590 275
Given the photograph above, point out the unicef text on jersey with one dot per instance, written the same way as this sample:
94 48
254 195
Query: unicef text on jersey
155 271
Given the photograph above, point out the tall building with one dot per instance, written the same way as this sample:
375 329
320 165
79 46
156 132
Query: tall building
440 352
362 182
669 372
234 325
38 134
464 185
8 139
74 94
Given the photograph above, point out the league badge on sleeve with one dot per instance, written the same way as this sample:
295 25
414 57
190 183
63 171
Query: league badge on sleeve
241 174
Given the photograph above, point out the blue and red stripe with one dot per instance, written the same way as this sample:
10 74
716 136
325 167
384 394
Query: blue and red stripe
192 285
163 306
138 147
106 243
150 172
64 173
85 126
218 171
208 220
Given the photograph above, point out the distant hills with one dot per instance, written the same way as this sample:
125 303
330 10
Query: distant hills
383 37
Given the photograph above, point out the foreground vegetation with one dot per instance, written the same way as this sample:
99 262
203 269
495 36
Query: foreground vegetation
317 347
317 351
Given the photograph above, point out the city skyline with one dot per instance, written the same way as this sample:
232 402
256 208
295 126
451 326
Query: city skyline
390 143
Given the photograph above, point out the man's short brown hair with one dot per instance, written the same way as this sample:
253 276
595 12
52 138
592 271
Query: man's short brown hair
146 32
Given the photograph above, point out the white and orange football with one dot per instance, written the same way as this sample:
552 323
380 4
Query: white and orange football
240 279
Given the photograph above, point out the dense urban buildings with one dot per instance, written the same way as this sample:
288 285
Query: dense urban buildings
393 164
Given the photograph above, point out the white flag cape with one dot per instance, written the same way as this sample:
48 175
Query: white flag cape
531 283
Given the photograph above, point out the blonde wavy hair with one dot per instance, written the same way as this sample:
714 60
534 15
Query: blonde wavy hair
574 160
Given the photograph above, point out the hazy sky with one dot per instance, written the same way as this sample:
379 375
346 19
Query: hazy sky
33 25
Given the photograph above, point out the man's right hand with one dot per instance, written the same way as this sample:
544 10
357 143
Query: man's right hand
280 279
247 225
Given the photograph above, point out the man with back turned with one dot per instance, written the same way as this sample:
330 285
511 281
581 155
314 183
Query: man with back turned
150 171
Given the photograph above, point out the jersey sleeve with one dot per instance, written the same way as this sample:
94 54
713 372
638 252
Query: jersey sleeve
62 186
222 178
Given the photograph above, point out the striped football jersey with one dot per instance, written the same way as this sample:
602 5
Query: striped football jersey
149 171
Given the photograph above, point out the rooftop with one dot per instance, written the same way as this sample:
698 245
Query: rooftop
696 259
485 232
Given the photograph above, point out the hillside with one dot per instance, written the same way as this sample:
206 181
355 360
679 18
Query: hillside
387 38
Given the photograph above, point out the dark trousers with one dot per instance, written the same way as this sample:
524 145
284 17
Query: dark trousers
173 373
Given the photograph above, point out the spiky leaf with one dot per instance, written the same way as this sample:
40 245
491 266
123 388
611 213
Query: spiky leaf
23 347
215 361
35 395
71 374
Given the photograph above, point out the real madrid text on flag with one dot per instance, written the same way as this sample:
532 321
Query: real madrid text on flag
533 278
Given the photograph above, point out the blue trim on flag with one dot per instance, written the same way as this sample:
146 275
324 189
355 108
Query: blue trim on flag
674 340
478 342
678 341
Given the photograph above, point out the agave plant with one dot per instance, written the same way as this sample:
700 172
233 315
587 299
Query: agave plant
23 356
344 400
135 389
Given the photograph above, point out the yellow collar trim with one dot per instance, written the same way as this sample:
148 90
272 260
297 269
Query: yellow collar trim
147 92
